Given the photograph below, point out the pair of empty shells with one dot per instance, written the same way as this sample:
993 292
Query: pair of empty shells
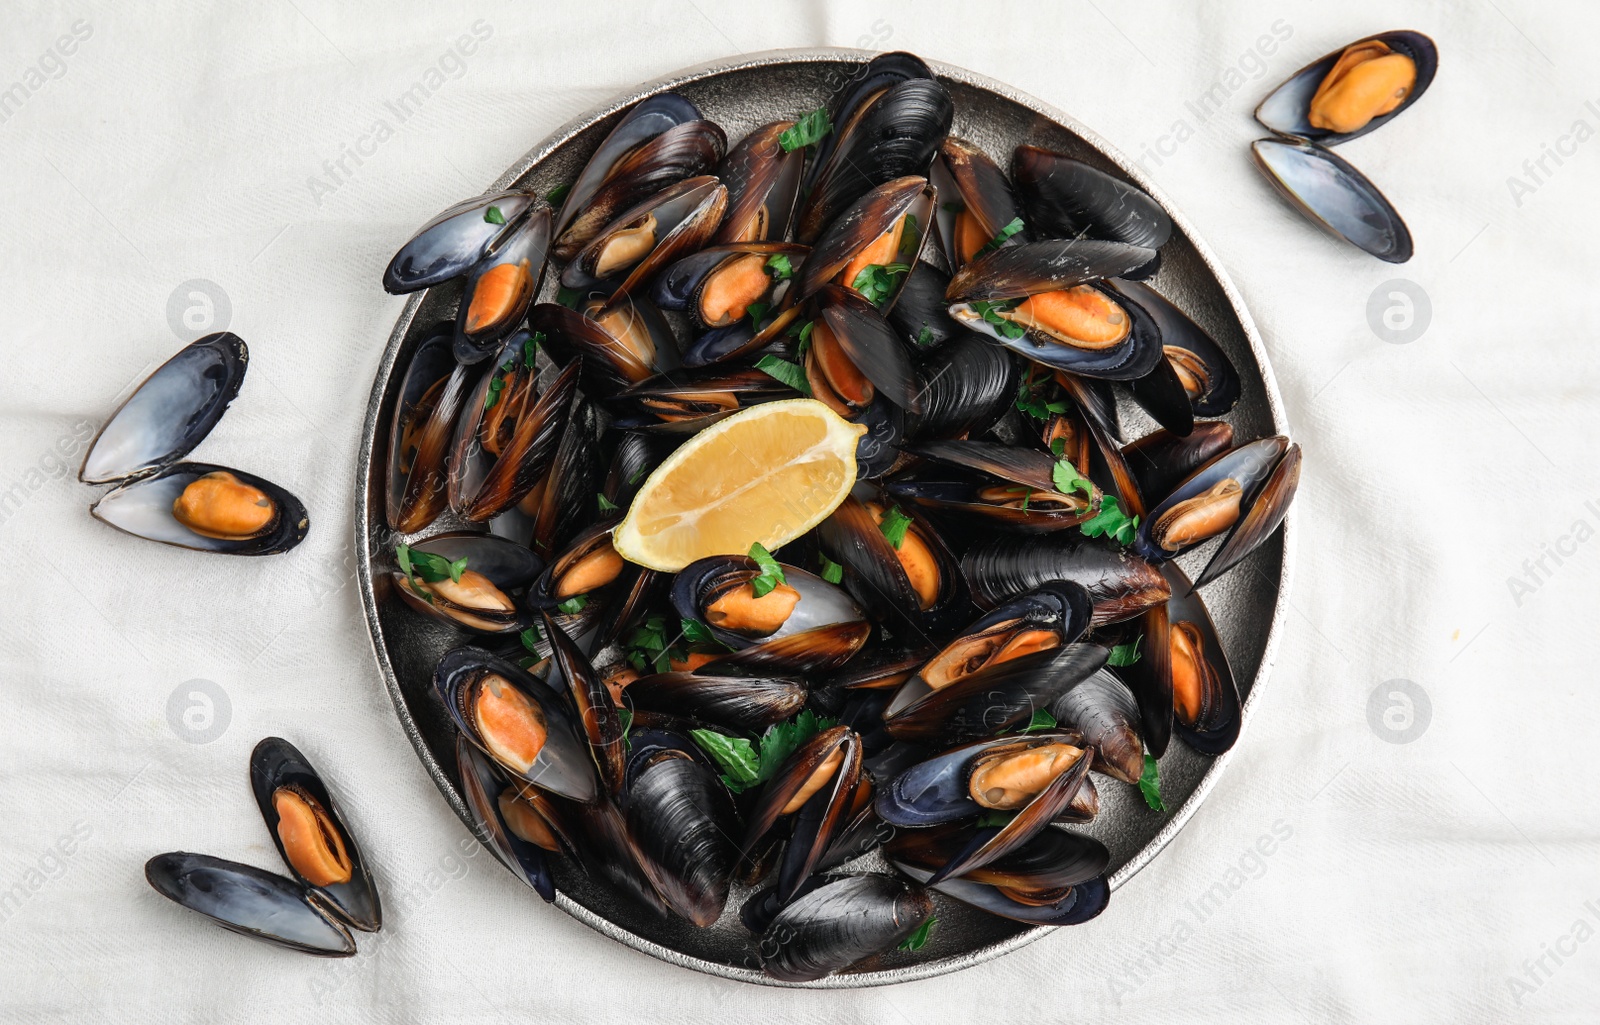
199 506
331 892
1343 96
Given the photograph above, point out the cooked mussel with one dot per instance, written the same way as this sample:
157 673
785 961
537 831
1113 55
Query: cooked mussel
619 344
477 587
840 923
457 240
1243 494
718 286
683 821
874 245
763 181
1350 92
1010 485
855 356
1208 376
687 402
432 395
977 210
1119 583
310 833
507 437
1335 196
643 239
1205 699
500 287
1104 711
1052 879
599 719
801 625
206 508
920 312
490 798
913 580
813 791
1066 198
249 901
1161 460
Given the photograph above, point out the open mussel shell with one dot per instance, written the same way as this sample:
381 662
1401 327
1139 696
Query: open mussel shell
1014 486
1243 494
895 135
885 227
942 789
1150 680
1287 109
717 285
1068 905
482 483
840 923
598 717
1161 460
813 789
745 703
619 345
491 600
867 340
1067 198
687 402
680 815
1205 697
310 833
1161 393
500 287
1049 860
482 788
805 625
660 141
1047 265
975 202
643 239
965 387
1335 196
856 94
456 240
241 514
763 186
170 412
588 568
1208 376
249 901
1119 583
432 395
1105 713
917 585
480 689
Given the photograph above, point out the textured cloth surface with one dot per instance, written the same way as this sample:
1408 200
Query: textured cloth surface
255 158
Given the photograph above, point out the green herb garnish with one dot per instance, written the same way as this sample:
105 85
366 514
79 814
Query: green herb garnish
606 504
757 312
779 267
573 604
925 336
1001 238
791 374
648 647
894 525
771 573
807 131
1150 783
557 194
696 632
494 216
427 567
910 235
919 939
745 764
530 638
734 756
832 572
1125 654
1111 522
990 311
1042 720
783 739
569 297
1067 479
877 281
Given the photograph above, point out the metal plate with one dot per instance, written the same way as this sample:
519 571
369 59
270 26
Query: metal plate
1248 604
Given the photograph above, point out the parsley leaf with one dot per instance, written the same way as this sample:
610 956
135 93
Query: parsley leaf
919 939
1150 783
791 374
494 216
648 647
807 131
771 573
990 311
910 235
733 755
1001 238
530 638
1067 479
606 504
427 567
625 717
557 194
1042 720
1036 406
894 525
878 281
573 604
783 739
1111 522
757 312
925 336
991 819
568 297
779 267
1125 654
696 632
832 572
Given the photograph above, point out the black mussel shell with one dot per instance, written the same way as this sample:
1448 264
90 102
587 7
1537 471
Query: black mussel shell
143 507
1202 680
1120 583
432 395
1161 394
618 345
1286 110
506 279
1160 461
876 577
1074 907
687 402
823 631
871 344
905 203
920 312
840 923
679 814
456 240
761 907
249 901
977 210
1199 360
1051 859
936 791
481 788
482 486
878 451
681 287
676 221
1043 266
1027 471
1150 680
744 703
509 566
965 386
1105 712
598 716
1335 196
763 186
1134 355
1067 198
855 95
276 765
646 120
170 412
633 459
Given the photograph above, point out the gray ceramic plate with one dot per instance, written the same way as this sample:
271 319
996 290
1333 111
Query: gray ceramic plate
1248 604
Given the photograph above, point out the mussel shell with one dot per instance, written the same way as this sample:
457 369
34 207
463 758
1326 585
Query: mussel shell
1132 358
635 456
936 791
1267 509
415 497
1335 196
644 121
563 766
1286 109
856 94
825 629
1011 272
965 386
970 181
527 244
876 578
679 286
878 450
1051 859
1105 712
1083 902
679 814
509 566
1217 726
1023 467
1161 394
1161 460
1067 198
454 241
840 923
761 907
920 312
1178 332
895 136
743 703
482 486
871 344
1150 680
822 820
687 402
876 212
609 847
481 787
143 507
687 215
170 412
277 763
1120 584
249 901
763 186
1251 465
791 778
598 717
628 343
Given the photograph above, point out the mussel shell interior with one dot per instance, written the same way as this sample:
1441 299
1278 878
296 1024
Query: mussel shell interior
1286 109
481 787
453 241
249 901
1336 196
511 567
143 508
170 412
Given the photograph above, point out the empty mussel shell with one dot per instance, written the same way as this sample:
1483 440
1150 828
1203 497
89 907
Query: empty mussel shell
1352 91
1335 196
170 412
311 834
456 240
487 596
840 923
249 901
207 508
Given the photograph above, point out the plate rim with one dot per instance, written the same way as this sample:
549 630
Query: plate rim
372 428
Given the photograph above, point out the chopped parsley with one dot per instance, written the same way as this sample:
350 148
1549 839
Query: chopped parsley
771 573
925 336
1111 522
894 526
832 572
696 632
530 638
573 604
791 374
557 194
991 310
745 764
1150 783
427 567
1042 720
734 756
807 131
878 281
494 216
606 504
1002 238
648 646
1067 479
1125 654
919 939
757 312
779 267
569 297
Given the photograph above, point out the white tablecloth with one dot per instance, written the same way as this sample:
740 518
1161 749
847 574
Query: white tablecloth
267 157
